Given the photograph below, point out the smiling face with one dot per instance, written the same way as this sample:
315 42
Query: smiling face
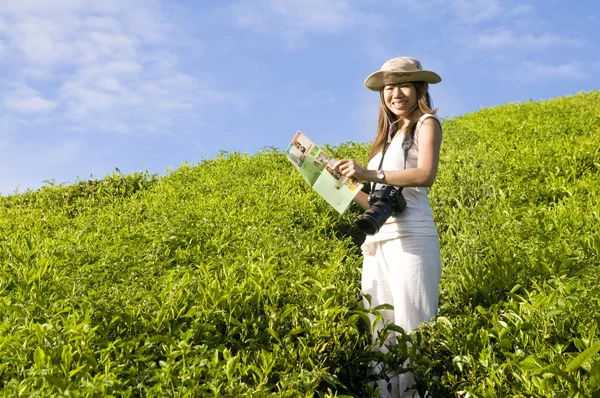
400 99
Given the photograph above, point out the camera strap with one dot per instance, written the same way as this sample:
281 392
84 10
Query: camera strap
405 145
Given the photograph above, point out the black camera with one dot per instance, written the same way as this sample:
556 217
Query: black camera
384 202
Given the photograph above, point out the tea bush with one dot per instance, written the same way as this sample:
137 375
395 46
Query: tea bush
231 277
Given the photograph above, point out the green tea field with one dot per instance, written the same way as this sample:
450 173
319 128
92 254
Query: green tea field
232 278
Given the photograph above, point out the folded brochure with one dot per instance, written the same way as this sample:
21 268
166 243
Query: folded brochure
316 166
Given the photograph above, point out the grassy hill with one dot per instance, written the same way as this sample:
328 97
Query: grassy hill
232 278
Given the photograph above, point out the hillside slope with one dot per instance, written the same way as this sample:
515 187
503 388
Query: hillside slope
231 277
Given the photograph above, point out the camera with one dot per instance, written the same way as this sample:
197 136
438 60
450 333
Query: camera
384 202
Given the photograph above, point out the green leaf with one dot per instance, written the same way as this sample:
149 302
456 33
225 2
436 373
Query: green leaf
506 343
295 331
381 307
586 355
76 370
364 317
288 311
331 380
56 381
594 380
90 359
274 334
231 367
39 357
444 321
532 363
394 328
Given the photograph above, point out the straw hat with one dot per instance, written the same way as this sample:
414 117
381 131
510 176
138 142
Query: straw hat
399 70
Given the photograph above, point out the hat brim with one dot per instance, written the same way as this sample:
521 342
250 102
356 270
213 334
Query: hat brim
378 80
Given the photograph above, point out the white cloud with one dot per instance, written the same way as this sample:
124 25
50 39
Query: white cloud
477 10
36 73
27 100
508 38
467 12
520 9
89 66
569 70
332 16
31 104
293 20
535 72
46 7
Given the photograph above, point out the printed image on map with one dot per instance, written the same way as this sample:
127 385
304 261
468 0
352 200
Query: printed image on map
316 166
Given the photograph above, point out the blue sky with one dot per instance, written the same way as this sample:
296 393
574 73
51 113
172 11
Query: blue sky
88 86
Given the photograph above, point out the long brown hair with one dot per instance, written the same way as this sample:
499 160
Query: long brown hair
386 118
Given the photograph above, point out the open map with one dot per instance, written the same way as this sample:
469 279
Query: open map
316 166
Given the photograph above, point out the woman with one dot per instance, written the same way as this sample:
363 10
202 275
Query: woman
402 264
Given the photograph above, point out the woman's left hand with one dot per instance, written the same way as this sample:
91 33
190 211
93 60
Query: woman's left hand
350 168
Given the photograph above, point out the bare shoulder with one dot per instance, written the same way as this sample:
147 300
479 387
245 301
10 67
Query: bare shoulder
431 126
432 122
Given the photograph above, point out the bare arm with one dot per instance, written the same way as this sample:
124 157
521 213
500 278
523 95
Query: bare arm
430 141
361 200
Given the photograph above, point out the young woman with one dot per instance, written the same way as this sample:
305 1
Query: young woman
402 264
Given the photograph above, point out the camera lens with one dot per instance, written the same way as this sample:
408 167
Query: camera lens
371 220
367 224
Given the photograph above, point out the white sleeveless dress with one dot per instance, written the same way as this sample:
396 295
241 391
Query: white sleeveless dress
402 264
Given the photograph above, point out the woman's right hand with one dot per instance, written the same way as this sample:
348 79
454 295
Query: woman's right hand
351 168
